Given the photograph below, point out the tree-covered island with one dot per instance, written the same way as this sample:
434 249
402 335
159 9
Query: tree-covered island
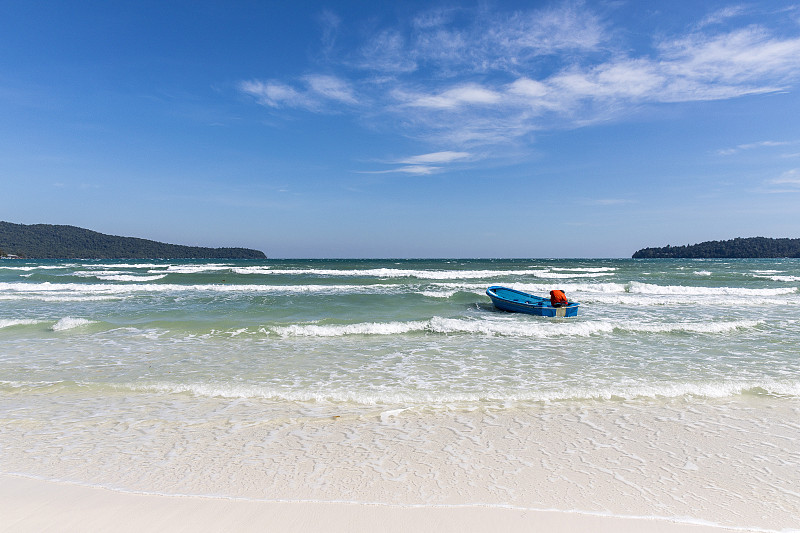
741 248
47 241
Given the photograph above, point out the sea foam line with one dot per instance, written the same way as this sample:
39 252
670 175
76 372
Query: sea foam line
322 393
419 274
540 329
603 288
11 322
636 287
105 288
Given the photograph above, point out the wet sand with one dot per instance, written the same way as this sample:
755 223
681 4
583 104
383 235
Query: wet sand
35 505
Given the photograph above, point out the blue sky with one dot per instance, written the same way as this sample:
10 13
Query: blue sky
404 129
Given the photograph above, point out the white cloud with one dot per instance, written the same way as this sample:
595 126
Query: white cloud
330 23
417 169
387 52
424 164
788 182
435 157
454 41
331 88
721 15
469 77
790 177
408 169
470 94
742 61
319 93
275 94
751 146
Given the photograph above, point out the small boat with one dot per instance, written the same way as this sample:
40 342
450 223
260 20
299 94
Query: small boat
522 302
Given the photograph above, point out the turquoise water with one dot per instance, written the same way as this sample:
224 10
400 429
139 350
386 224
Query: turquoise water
129 374
371 332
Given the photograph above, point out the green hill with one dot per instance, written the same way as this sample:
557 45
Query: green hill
46 241
751 247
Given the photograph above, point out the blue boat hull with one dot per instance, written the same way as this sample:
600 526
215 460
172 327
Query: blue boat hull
521 302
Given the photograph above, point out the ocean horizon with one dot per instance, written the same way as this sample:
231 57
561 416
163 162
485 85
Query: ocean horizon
674 394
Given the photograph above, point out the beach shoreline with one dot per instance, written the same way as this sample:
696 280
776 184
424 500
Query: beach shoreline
29 504
361 395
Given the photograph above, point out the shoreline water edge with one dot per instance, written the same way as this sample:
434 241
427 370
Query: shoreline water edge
354 391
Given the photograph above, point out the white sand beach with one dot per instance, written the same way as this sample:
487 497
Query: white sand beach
578 471
33 505
386 403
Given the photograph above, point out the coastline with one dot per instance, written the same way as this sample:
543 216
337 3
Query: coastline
37 505
362 396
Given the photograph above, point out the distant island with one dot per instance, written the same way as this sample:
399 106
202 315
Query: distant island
46 241
742 248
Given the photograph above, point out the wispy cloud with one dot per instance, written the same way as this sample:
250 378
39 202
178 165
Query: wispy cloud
789 178
470 77
436 158
331 88
788 182
330 23
728 65
465 95
752 146
449 42
424 164
721 15
419 170
315 92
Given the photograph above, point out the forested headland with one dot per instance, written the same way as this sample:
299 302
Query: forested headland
47 241
742 248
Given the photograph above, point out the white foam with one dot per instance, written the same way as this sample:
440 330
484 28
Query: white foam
571 287
35 267
786 279
647 288
70 323
539 328
117 275
368 328
103 288
649 300
9 322
127 265
386 415
193 269
586 269
553 275
439 294
395 396
62 298
419 274
128 277
700 327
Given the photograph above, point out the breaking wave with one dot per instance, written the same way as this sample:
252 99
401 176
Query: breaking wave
11 322
538 328
421 274
70 323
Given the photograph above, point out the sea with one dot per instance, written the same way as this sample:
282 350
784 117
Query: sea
673 395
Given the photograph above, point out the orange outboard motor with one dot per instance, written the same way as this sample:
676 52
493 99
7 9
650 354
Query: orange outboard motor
558 299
